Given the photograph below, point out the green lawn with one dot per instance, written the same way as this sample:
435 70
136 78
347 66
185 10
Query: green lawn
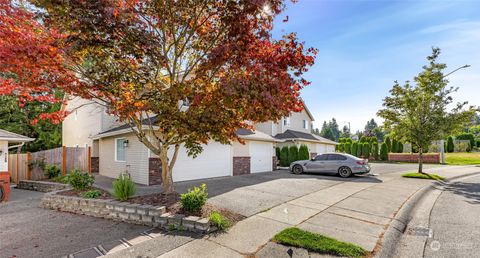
463 158
423 176
318 243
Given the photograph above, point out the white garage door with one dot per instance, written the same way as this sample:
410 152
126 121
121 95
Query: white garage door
261 154
214 161
330 148
321 148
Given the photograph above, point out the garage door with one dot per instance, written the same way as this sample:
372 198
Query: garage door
321 148
214 161
261 154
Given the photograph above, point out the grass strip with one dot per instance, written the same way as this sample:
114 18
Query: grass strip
423 176
318 243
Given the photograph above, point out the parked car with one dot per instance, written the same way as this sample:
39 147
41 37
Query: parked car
342 164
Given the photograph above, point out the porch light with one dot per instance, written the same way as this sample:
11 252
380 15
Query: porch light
125 143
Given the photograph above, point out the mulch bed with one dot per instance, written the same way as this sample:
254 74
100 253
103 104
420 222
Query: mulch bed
173 206
80 193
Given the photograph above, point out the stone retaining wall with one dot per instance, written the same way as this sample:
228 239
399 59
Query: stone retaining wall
154 216
433 158
41 186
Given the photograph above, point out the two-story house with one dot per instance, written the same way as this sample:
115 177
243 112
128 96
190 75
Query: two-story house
115 149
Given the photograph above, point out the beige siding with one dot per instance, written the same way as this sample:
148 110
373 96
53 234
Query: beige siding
81 124
265 127
241 150
296 122
136 156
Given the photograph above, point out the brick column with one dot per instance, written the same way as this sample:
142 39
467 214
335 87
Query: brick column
241 165
154 171
95 161
274 163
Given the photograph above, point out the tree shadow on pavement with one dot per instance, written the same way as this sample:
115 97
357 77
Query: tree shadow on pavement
471 191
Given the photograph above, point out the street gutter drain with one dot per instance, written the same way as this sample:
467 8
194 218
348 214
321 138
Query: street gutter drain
420 231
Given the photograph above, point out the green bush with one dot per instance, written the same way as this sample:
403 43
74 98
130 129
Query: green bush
92 194
284 157
467 136
384 151
354 148
450 144
400 147
277 152
366 150
394 146
348 148
363 139
469 148
303 153
79 180
359 149
193 200
388 142
123 187
292 154
375 150
219 221
51 171
478 144
341 147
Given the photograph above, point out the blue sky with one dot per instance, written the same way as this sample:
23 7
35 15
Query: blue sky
365 45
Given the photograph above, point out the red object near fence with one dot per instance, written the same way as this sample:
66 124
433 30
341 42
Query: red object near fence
5 184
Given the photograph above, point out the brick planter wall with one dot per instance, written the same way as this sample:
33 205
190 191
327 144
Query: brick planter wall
154 171
433 158
40 186
95 161
153 216
241 165
274 163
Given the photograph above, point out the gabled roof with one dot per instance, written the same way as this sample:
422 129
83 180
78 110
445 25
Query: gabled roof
13 137
255 135
296 135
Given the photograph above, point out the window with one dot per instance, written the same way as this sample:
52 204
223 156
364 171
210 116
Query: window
120 149
305 124
321 157
286 121
336 157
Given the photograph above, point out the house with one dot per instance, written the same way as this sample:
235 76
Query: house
7 137
115 149
296 129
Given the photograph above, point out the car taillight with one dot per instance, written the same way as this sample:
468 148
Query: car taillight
361 162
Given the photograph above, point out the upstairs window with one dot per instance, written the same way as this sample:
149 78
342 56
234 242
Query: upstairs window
286 121
305 124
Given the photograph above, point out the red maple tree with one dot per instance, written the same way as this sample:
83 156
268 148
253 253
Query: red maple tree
179 72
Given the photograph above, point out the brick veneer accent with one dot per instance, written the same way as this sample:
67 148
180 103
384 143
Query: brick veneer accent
433 158
274 163
313 155
241 165
95 164
154 171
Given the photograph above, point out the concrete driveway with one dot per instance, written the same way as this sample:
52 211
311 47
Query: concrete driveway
27 230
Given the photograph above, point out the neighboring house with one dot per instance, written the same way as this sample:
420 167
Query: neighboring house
296 129
115 149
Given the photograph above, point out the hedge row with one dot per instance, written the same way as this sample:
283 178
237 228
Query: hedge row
286 155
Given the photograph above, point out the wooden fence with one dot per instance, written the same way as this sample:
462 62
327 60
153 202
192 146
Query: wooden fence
25 166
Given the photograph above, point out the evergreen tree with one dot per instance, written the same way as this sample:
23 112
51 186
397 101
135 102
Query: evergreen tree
450 144
384 152
292 154
303 153
284 161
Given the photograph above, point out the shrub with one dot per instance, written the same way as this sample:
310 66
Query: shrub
277 152
193 200
469 148
363 139
51 171
348 148
219 221
79 180
478 144
366 150
284 157
394 146
92 194
123 187
400 147
450 144
341 147
292 154
467 136
303 153
384 151
388 142
375 150
359 149
354 148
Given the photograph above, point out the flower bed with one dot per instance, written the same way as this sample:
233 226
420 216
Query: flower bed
144 214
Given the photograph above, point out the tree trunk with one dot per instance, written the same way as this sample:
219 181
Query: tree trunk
420 160
167 182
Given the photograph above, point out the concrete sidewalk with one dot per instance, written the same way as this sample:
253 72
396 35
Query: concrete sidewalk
352 211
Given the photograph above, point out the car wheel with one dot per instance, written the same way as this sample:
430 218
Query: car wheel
345 172
297 169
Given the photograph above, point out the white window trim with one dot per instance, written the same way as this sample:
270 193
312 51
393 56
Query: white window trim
115 152
286 121
305 124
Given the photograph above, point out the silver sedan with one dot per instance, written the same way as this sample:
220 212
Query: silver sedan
339 163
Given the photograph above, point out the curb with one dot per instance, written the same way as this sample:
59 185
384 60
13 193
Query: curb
399 223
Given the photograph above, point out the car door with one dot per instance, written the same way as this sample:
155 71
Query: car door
334 162
317 164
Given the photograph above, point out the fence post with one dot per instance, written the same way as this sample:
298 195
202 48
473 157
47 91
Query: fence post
64 160
16 166
28 166
89 156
